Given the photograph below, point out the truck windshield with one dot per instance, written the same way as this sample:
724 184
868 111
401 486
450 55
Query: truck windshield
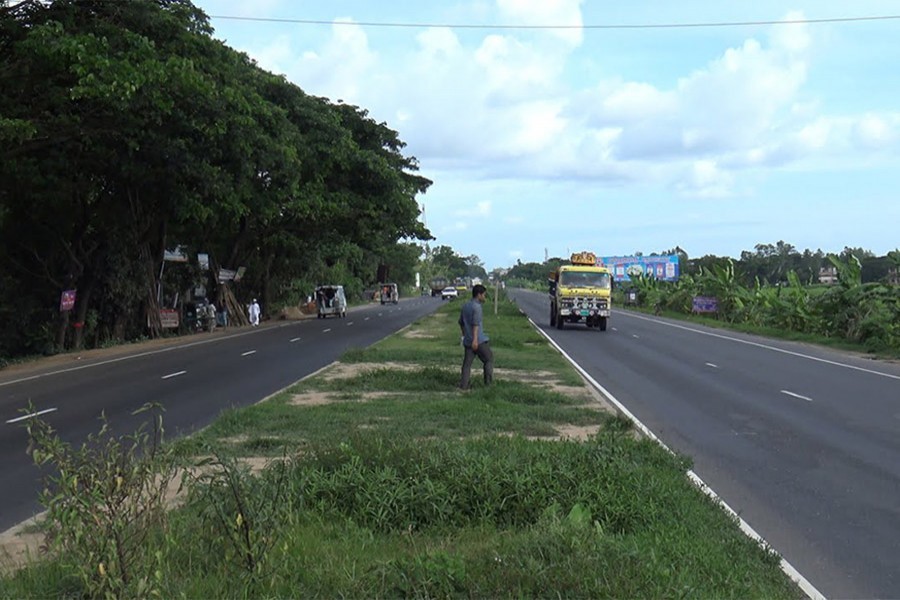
585 279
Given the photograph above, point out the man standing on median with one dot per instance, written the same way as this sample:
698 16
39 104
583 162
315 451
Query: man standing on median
474 339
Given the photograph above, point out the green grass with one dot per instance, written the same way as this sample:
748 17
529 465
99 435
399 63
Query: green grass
392 483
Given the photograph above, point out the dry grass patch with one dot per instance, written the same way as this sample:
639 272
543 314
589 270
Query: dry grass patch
313 399
350 370
324 398
577 432
419 334
20 544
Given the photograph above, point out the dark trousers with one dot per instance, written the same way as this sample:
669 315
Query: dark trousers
487 359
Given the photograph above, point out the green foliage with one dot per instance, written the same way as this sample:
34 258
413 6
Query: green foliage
392 486
860 313
105 500
239 513
142 133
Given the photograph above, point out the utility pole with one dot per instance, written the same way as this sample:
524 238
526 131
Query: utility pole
496 295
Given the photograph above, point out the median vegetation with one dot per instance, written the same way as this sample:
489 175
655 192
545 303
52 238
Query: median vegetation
377 478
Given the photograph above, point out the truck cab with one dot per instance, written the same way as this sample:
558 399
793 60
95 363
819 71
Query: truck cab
580 293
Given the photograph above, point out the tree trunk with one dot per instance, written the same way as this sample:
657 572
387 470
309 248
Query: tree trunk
62 330
154 323
81 309
266 285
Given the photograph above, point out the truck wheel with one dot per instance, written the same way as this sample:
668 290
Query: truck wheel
552 317
560 322
603 321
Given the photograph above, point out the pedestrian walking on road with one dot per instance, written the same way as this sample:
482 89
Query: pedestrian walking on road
474 339
254 313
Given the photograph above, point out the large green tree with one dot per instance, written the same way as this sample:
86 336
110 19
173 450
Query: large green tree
126 129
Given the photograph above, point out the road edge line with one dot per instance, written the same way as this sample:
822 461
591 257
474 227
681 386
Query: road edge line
808 588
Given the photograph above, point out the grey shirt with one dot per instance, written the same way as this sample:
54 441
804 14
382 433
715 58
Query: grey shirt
471 315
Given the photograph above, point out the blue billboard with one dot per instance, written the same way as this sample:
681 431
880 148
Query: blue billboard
664 268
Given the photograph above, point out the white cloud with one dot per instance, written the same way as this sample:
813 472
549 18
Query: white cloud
706 180
877 131
341 69
566 13
503 106
481 209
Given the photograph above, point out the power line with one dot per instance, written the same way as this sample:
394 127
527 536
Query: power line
594 26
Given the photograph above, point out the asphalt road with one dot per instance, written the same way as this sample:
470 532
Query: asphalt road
802 442
195 381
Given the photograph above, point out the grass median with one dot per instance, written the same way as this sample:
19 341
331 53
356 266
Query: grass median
378 478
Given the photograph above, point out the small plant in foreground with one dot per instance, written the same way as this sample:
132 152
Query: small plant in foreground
104 500
243 511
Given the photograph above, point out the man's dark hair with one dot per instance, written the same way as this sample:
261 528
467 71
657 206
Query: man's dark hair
478 289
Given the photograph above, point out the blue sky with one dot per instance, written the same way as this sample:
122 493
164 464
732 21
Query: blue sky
714 139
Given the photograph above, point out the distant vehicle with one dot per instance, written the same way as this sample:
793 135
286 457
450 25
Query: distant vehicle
389 293
330 300
438 284
449 292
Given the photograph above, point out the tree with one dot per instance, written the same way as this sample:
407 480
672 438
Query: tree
142 133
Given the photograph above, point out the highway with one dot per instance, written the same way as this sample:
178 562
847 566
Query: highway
802 442
195 380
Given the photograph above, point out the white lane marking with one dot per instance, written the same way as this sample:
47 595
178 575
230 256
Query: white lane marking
350 323
796 395
295 340
714 366
326 330
366 319
767 347
131 356
615 328
171 375
248 353
635 337
787 567
32 415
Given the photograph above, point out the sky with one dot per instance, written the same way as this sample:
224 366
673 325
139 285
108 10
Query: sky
543 141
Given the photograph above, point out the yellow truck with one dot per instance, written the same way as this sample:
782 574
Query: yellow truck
580 293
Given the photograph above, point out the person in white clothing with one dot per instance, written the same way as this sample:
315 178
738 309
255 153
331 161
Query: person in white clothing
254 313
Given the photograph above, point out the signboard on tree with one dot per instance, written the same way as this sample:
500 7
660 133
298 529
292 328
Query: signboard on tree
168 318
67 300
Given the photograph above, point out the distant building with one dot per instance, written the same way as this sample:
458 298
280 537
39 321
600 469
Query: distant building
828 275
893 276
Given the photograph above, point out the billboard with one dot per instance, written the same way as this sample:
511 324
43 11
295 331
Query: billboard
664 268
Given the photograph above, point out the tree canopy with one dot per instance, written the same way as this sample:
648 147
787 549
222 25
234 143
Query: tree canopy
126 129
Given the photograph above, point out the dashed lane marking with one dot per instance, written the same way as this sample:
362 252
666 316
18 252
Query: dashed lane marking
793 395
31 416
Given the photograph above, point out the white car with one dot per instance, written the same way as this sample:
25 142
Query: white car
449 292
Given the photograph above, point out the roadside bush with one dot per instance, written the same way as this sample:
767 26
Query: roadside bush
104 501
239 513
